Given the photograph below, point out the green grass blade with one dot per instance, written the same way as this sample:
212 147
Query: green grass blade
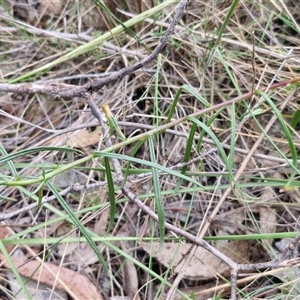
217 144
14 270
189 90
132 154
157 190
47 176
287 134
187 153
232 137
10 163
225 64
173 105
33 150
111 194
77 223
295 119
220 33
147 163
126 29
156 110
208 123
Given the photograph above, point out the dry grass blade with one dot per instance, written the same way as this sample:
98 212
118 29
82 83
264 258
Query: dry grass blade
220 105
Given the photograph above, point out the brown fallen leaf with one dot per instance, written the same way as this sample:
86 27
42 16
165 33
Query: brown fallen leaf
80 286
79 139
37 290
70 281
50 8
268 215
83 138
204 265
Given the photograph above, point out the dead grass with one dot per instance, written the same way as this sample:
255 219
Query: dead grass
252 55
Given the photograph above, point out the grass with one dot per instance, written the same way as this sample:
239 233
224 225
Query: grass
192 106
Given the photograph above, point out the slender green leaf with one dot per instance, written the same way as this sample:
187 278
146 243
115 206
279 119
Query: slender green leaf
111 194
77 223
14 270
231 76
232 137
287 134
189 90
47 176
144 162
112 122
217 144
10 163
234 3
33 150
208 123
126 29
187 153
113 239
157 191
132 154
295 119
156 111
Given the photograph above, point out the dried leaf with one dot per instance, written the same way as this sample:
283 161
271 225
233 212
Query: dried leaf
84 255
131 276
204 265
68 178
83 138
50 7
146 4
80 139
78 284
133 6
102 223
267 215
38 290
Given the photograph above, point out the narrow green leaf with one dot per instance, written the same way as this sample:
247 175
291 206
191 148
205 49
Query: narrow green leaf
173 105
112 122
40 195
234 3
111 194
49 175
77 223
187 153
147 163
217 144
14 270
231 76
189 90
295 119
232 137
126 29
33 150
10 163
132 154
208 123
157 78
287 134
158 197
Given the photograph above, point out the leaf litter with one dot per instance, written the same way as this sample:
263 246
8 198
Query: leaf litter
182 65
